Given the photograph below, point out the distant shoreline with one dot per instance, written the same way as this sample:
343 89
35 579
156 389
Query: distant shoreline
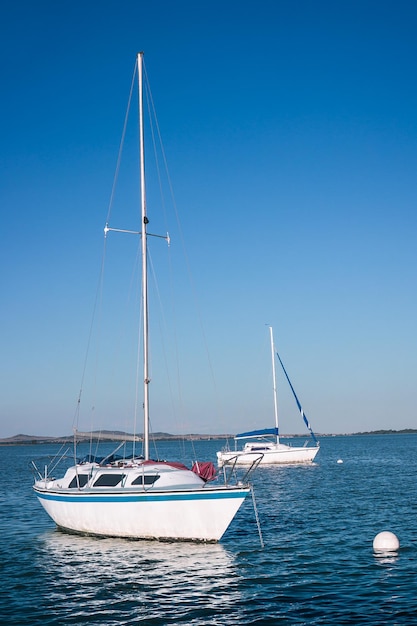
104 436
120 436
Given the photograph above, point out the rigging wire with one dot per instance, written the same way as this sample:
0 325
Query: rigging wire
157 142
155 130
122 141
161 163
99 290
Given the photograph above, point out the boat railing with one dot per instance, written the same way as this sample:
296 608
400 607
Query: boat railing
252 468
229 469
51 465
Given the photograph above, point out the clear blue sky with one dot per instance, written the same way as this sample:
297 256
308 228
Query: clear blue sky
291 133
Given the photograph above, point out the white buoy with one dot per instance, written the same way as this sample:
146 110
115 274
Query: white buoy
386 542
339 461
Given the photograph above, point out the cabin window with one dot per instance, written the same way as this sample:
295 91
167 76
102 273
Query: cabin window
145 480
108 480
79 481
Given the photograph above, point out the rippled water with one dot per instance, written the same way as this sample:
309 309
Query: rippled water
317 566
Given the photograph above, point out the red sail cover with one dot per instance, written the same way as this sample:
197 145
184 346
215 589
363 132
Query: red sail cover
205 470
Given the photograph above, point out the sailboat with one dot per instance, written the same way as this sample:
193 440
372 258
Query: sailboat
138 497
261 447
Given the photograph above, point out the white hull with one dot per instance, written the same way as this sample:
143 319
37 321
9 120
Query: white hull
274 454
184 508
182 515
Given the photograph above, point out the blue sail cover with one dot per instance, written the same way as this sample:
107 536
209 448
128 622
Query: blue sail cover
258 433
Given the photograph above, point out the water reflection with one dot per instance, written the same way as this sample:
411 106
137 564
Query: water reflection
385 557
139 580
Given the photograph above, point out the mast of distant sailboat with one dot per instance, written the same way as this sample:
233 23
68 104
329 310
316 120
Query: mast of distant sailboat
274 383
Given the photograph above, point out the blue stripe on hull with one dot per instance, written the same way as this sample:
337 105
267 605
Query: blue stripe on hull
139 497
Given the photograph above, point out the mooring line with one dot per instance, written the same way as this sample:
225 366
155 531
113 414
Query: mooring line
255 508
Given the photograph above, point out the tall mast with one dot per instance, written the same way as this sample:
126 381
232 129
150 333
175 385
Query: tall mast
274 382
144 265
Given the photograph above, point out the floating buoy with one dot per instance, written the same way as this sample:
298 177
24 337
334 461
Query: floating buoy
339 461
386 542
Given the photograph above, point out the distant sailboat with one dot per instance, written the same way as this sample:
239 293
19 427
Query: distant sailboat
138 497
263 449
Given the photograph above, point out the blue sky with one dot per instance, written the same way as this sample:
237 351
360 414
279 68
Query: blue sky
291 134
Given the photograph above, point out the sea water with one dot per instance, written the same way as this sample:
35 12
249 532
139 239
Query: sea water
317 565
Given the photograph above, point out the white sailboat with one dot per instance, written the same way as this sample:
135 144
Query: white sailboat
139 497
262 448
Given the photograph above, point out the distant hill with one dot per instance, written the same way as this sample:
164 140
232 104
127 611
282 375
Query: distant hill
106 435
404 431
117 435
31 439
